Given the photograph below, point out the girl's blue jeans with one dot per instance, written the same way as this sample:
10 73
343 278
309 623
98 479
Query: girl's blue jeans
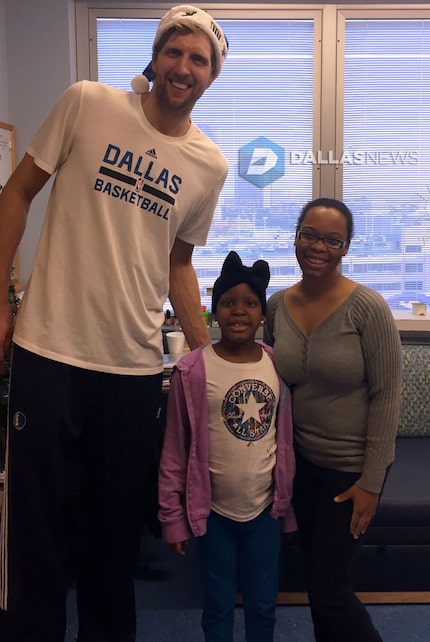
244 557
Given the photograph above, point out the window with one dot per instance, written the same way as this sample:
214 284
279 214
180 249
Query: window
344 94
386 144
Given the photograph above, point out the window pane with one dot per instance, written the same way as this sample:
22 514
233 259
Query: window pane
265 91
386 168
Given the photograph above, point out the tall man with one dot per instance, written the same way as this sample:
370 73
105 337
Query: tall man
136 185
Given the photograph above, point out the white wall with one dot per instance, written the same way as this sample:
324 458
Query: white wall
40 62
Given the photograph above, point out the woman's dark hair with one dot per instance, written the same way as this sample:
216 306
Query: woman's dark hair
334 204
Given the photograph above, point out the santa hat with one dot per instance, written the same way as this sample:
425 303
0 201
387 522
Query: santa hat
185 15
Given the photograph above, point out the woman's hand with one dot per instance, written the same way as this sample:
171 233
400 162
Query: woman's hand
365 505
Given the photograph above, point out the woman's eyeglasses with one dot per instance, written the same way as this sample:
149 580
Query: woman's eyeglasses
329 241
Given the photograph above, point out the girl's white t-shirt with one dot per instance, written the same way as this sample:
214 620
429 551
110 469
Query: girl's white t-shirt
242 400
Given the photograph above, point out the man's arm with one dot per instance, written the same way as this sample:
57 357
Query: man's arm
184 295
15 199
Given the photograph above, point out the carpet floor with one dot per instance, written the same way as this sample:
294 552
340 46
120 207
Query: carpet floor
168 607
395 623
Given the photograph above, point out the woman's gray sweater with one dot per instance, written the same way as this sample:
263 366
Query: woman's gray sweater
345 379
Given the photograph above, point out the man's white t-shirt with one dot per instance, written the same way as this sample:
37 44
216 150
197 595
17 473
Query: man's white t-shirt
122 194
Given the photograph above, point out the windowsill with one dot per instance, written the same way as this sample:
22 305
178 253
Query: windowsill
406 321
409 326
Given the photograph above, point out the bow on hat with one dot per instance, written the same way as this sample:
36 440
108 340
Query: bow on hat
234 272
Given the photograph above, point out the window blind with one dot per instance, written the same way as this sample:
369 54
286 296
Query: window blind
386 178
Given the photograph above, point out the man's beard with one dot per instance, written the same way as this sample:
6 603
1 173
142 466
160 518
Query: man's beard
163 98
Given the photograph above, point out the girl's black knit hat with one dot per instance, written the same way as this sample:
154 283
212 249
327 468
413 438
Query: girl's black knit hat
234 272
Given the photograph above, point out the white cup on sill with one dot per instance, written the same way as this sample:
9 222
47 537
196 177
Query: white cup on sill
175 344
419 309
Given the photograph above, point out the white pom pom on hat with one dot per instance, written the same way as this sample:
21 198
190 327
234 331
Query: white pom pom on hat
181 15
140 83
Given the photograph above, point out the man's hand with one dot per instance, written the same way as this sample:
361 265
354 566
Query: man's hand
365 505
5 333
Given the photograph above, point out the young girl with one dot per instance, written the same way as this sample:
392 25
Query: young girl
227 464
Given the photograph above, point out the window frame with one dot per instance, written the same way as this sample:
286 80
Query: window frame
405 321
414 12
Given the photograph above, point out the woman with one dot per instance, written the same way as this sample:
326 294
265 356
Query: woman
337 346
